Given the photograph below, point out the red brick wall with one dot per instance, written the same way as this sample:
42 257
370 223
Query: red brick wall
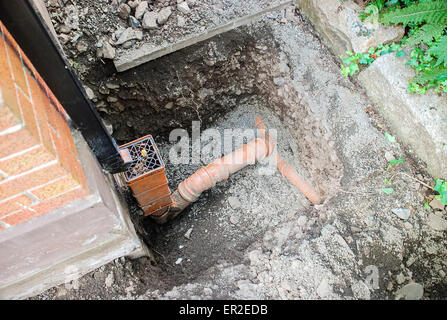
39 166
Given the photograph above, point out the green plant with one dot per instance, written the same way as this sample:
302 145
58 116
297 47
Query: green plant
352 62
427 22
441 188
394 162
388 190
375 6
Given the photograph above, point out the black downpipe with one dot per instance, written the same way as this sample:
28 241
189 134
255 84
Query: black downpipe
30 33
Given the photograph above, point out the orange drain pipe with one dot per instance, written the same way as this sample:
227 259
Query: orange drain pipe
147 180
206 178
290 173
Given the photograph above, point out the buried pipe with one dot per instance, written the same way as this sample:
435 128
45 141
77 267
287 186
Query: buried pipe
147 180
189 190
290 173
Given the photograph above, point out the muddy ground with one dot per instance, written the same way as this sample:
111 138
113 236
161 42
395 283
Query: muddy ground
255 236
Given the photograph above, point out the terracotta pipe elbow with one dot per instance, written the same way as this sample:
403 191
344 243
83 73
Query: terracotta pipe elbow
189 190
295 179
289 172
207 177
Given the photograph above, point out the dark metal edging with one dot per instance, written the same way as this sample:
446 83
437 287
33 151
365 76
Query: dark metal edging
30 33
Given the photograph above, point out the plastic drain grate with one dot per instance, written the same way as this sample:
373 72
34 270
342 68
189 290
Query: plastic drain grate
145 158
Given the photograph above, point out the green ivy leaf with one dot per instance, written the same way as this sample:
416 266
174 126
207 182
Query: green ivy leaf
397 161
388 190
390 138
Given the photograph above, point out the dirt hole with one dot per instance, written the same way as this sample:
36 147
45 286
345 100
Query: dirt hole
223 84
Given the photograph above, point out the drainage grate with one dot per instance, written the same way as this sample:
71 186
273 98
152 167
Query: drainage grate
144 155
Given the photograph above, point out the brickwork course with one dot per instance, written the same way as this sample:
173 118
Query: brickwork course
39 166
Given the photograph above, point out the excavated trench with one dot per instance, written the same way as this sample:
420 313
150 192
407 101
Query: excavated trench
223 83
255 235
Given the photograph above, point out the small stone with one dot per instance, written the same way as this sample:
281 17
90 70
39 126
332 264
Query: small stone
302 220
390 286
400 278
389 156
112 99
140 9
103 89
82 46
90 93
436 204
234 219
133 4
130 34
54 3
361 291
61 292
123 11
64 29
402 213
191 3
442 273
411 291
150 20
408 225
109 127
118 106
370 221
207 291
64 38
437 223
169 105
179 260
278 81
106 51
234 203
183 7
109 280
324 289
76 37
181 21
410 261
188 233
133 22
112 86
164 15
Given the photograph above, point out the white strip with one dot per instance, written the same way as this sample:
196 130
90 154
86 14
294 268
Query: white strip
19 153
12 129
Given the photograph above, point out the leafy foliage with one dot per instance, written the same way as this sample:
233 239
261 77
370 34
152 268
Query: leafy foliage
441 188
426 25
433 12
394 162
427 33
427 21
388 190
351 64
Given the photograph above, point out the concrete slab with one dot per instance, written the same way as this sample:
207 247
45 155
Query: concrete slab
418 120
166 40
340 26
